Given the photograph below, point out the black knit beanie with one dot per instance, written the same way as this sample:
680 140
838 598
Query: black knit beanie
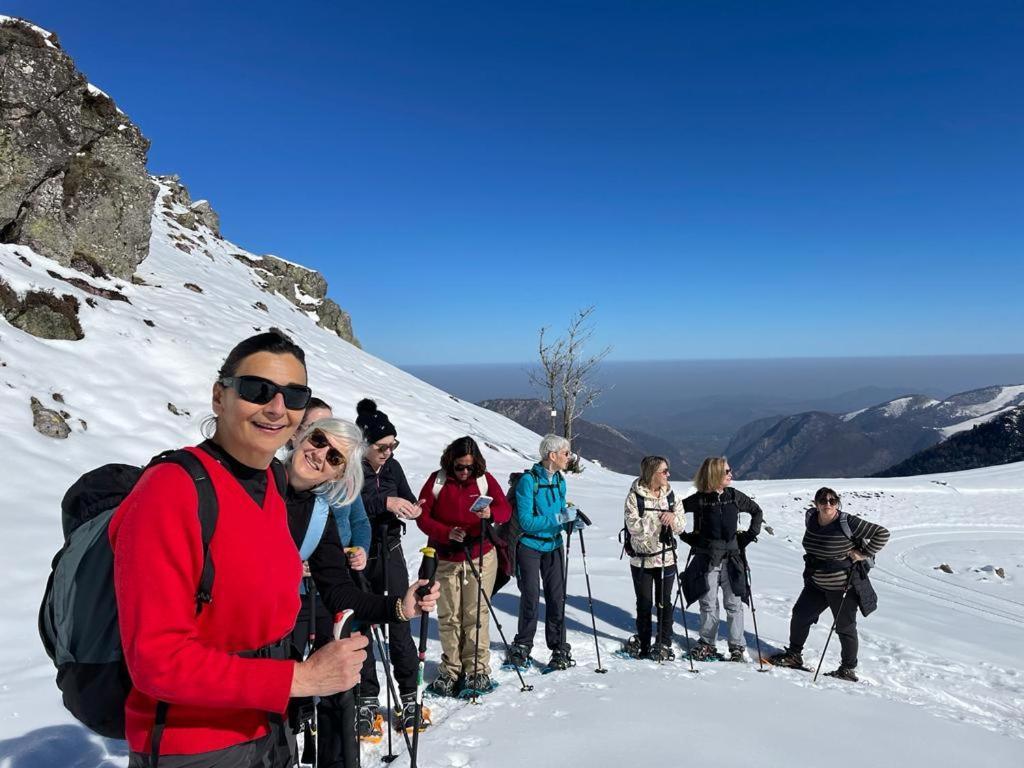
374 423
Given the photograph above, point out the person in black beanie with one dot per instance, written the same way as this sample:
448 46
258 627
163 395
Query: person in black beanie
389 502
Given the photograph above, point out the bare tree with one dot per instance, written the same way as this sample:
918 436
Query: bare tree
548 377
578 389
565 374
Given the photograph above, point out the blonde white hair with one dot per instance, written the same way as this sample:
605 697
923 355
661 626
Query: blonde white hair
344 490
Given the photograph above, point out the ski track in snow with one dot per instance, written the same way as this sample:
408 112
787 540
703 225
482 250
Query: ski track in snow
939 659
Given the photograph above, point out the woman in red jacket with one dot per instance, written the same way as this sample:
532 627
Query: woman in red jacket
454 519
212 677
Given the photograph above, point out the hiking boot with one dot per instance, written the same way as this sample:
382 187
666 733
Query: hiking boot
705 652
480 683
662 652
636 649
443 685
518 656
561 658
844 673
788 658
369 721
736 654
405 715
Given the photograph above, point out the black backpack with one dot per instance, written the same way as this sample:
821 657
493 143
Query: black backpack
78 614
624 536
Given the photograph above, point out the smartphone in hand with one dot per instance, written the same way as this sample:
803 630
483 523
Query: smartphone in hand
480 503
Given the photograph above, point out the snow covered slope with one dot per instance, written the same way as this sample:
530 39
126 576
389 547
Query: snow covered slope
940 659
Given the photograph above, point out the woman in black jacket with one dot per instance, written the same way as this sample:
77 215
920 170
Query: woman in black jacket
717 560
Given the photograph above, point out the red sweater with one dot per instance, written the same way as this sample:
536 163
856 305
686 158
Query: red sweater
216 698
451 510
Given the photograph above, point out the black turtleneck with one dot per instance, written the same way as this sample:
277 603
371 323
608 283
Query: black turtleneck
253 480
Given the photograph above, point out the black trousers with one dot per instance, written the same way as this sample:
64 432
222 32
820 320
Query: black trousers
809 606
401 646
337 741
646 580
272 751
532 567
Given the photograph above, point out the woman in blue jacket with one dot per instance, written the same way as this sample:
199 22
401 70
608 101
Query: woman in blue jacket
540 514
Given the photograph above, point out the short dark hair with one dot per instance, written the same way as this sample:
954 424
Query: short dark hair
275 341
823 493
316 402
463 446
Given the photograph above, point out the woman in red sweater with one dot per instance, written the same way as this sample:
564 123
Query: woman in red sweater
212 681
453 520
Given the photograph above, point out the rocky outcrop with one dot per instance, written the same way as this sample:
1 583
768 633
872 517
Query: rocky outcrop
48 422
179 206
73 181
41 313
305 288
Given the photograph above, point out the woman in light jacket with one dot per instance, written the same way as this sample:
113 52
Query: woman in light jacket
653 518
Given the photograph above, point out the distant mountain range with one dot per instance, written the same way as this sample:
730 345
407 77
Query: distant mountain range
999 441
866 441
612 447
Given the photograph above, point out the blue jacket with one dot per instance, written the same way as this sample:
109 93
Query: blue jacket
353 524
540 509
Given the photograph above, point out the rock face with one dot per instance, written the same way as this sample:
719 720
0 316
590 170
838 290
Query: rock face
305 288
42 314
73 181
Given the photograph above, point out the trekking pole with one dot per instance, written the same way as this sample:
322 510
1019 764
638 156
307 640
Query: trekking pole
835 618
312 748
682 608
590 596
479 595
565 579
494 615
427 570
364 585
753 612
382 538
660 589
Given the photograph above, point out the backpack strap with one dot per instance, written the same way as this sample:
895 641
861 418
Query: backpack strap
439 481
639 503
207 510
315 529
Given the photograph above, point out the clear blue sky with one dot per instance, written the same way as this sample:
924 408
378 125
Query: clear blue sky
722 179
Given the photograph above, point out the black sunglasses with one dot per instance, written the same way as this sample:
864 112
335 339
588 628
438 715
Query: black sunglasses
260 391
319 440
462 467
829 501
384 448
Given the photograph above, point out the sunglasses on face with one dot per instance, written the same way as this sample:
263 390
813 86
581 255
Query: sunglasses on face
319 440
385 447
662 471
728 471
463 467
260 391
829 501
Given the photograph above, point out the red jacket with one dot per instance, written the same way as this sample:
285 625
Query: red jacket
217 699
451 510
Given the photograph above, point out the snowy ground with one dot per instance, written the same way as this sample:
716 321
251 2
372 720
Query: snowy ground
942 681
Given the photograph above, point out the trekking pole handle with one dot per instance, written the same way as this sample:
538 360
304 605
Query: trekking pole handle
428 568
586 520
340 620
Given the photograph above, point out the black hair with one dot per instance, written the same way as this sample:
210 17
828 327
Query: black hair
274 341
316 402
463 446
823 493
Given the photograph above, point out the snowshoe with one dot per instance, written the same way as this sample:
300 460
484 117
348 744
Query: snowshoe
443 685
477 685
369 721
844 673
788 659
737 655
405 716
662 652
705 652
634 649
561 659
518 657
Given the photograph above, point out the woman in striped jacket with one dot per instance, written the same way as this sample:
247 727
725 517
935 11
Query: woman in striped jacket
839 550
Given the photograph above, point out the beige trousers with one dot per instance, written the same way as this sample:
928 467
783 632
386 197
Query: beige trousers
457 615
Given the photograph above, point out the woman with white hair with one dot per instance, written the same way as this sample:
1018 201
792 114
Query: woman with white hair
325 478
540 513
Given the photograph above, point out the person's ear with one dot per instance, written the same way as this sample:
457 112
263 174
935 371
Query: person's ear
217 399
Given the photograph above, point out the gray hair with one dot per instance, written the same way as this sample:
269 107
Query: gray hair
552 444
344 490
